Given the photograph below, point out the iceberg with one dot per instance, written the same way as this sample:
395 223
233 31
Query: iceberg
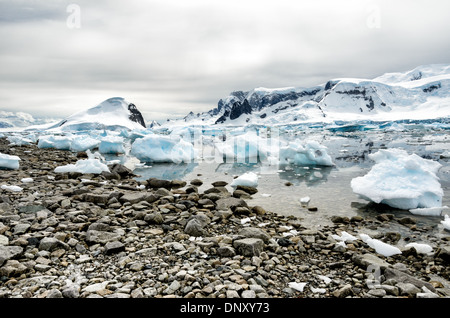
248 179
9 162
400 180
84 166
250 147
53 141
310 153
83 143
159 148
111 145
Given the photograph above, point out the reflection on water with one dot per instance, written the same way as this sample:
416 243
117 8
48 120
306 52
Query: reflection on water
166 171
310 175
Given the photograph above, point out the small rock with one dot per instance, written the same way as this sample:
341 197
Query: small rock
249 246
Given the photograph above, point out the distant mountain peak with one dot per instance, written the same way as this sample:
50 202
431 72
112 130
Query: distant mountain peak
112 113
415 94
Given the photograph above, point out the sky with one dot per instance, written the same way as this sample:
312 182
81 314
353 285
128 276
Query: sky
170 57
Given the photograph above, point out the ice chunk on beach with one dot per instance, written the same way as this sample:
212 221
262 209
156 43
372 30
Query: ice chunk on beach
12 188
309 154
9 161
344 237
111 145
428 211
249 179
84 166
297 286
159 148
400 180
379 246
421 248
446 222
54 141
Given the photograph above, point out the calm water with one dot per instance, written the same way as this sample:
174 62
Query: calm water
328 187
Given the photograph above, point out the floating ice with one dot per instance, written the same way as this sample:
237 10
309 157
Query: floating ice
11 188
249 179
309 154
83 143
26 180
53 141
379 246
9 162
249 147
112 145
420 247
84 166
400 180
159 148
446 222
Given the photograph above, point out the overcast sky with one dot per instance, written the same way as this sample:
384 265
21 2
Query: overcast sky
170 57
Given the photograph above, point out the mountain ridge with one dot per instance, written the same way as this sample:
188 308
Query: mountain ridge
421 92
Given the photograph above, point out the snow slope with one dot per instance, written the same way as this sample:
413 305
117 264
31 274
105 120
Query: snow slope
421 93
113 113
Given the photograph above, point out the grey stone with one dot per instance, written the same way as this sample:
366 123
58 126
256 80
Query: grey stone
12 268
227 203
138 197
402 277
249 246
21 228
343 291
54 293
9 252
96 198
71 291
226 251
255 233
51 243
248 294
114 247
444 253
368 259
407 289
102 237
154 218
194 228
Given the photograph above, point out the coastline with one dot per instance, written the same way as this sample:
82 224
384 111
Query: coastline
68 235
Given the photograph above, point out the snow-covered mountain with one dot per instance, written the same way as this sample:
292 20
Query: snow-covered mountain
112 113
421 93
20 119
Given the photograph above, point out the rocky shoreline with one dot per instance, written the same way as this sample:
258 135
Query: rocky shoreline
68 235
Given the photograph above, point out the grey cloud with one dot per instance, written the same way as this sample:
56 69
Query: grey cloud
186 55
